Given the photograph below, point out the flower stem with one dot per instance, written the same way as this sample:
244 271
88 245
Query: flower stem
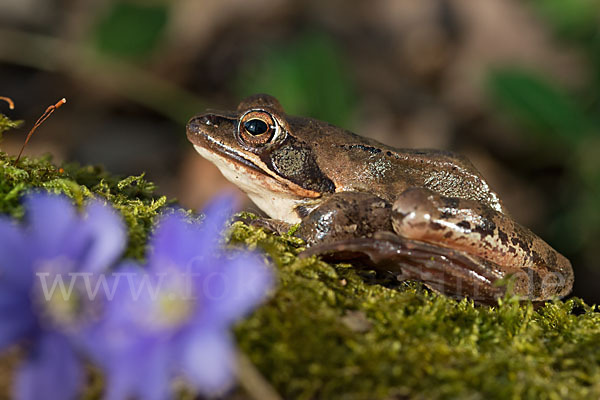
251 380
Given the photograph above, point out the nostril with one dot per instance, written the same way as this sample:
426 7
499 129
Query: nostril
198 123
208 120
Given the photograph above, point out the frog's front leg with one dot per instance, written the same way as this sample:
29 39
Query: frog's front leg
477 230
346 215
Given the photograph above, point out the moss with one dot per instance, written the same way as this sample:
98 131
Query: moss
335 331
133 196
330 332
7 124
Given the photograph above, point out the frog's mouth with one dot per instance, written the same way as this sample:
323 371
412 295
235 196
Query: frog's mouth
271 196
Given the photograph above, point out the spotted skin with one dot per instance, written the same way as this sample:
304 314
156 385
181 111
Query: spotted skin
472 227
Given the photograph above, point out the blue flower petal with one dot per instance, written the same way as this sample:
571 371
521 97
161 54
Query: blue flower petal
52 371
142 372
217 212
107 237
208 361
179 242
216 215
15 327
154 381
15 253
117 387
57 232
236 287
52 219
174 242
17 320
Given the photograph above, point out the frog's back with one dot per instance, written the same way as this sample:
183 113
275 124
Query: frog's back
448 174
356 163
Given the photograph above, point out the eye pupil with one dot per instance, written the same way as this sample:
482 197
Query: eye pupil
256 126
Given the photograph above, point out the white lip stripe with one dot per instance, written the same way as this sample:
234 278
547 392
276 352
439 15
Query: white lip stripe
275 204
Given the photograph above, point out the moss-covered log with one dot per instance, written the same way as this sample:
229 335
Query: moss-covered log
335 331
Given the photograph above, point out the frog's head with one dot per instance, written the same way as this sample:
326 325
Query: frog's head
257 147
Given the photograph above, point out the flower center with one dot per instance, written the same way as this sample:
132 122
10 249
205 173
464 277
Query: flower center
56 293
172 308
171 305
63 309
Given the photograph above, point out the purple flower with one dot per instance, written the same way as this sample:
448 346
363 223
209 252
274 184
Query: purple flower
39 301
172 318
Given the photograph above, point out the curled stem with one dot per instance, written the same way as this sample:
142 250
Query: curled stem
11 104
40 121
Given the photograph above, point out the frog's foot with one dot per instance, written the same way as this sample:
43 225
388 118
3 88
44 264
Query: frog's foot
451 272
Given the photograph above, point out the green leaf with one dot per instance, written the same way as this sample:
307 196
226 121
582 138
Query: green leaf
308 75
573 19
131 30
539 105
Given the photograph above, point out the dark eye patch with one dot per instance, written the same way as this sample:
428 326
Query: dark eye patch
255 126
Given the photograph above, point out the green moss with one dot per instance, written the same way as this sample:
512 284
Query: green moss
334 331
7 124
329 332
133 196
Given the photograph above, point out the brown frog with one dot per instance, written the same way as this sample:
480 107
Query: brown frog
421 214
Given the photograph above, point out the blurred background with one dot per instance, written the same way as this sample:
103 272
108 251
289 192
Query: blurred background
513 85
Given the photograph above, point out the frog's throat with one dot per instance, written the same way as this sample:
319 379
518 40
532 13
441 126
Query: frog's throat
277 199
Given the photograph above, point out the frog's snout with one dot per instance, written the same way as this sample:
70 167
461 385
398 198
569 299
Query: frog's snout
198 127
204 127
200 123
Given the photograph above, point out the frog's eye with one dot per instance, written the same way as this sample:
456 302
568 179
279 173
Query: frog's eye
257 128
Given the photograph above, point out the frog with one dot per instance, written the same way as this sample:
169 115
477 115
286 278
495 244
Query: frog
419 214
